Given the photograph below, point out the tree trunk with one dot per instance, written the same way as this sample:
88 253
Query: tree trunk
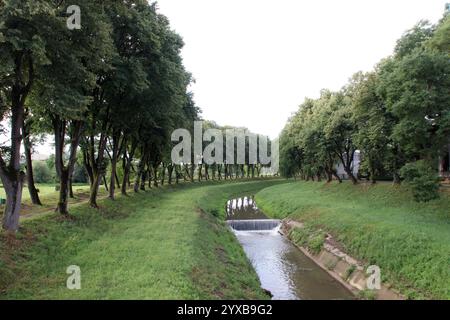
329 176
13 204
149 175
373 179
351 175
396 177
219 171
99 172
63 192
126 172
206 172
163 174
347 164
169 173
71 189
192 172
155 175
336 176
34 196
104 182
114 156
186 174
144 176
139 173
319 177
87 166
64 172
11 175
200 176
94 190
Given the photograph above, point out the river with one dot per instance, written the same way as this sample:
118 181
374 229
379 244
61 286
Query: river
282 268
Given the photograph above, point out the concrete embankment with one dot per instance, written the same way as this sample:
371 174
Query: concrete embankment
347 270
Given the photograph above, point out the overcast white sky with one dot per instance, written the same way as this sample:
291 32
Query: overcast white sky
255 61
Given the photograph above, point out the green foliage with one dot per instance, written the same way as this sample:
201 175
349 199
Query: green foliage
414 38
396 114
79 174
380 224
319 136
290 155
41 172
422 179
367 295
308 237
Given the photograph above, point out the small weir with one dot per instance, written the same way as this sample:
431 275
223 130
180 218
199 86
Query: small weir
254 225
282 268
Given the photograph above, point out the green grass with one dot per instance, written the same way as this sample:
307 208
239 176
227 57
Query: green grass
49 198
46 191
380 225
162 244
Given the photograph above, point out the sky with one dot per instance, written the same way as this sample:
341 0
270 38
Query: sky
254 61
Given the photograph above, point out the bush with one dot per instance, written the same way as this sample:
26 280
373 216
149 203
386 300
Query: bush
41 172
423 180
79 174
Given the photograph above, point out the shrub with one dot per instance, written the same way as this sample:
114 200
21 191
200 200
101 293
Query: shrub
79 174
422 179
41 172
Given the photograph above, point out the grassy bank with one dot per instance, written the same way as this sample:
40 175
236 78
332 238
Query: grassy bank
378 224
49 198
161 244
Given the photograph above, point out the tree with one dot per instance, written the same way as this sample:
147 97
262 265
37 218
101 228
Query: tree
374 128
62 97
422 179
28 145
42 173
23 51
340 129
290 154
414 85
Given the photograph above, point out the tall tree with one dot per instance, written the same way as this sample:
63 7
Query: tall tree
63 97
23 51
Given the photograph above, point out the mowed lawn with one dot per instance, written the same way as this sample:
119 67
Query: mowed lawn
167 243
379 224
49 197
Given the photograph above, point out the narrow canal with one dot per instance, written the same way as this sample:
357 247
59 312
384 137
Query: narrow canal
282 268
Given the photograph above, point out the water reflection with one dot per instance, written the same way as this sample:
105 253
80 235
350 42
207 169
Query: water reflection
243 209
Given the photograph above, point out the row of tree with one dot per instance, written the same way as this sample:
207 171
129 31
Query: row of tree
116 84
110 93
395 115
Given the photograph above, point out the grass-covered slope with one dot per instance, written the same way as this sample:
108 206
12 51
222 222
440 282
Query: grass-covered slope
161 244
49 197
379 224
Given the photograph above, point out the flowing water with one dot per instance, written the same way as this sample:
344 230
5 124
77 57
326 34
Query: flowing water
282 268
